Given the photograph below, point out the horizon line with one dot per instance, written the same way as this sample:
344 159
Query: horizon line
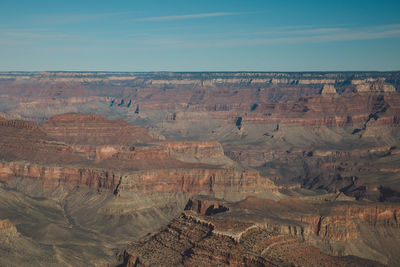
199 71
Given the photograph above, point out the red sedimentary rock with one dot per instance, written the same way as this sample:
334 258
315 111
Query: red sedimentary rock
94 129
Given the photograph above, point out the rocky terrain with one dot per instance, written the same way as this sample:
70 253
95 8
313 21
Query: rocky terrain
197 240
272 169
63 191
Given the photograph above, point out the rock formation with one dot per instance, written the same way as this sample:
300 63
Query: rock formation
196 240
115 166
94 129
272 169
328 89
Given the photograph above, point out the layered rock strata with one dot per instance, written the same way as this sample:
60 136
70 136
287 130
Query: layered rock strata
192 240
116 167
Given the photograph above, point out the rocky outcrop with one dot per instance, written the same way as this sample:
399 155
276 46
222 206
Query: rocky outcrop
196 241
206 206
378 86
7 229
328 90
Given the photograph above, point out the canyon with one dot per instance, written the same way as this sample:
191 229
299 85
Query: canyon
200 169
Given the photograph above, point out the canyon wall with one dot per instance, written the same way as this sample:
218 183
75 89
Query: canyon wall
273 168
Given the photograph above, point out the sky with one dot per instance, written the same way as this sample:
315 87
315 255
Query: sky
205 35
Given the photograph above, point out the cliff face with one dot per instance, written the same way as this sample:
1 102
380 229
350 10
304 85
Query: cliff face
219 182
52 176
146 168
344 222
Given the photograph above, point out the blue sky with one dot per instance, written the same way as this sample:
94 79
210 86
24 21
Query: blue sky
204 35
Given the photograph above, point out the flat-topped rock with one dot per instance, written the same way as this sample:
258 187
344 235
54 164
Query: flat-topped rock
94 129
75 117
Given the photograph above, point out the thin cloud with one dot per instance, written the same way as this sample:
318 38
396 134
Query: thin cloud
278 31
317 35
32 35
318 31
75 18
189 16
325 36
38 34
194 40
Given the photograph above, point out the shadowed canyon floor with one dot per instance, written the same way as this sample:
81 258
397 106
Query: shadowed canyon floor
198 169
